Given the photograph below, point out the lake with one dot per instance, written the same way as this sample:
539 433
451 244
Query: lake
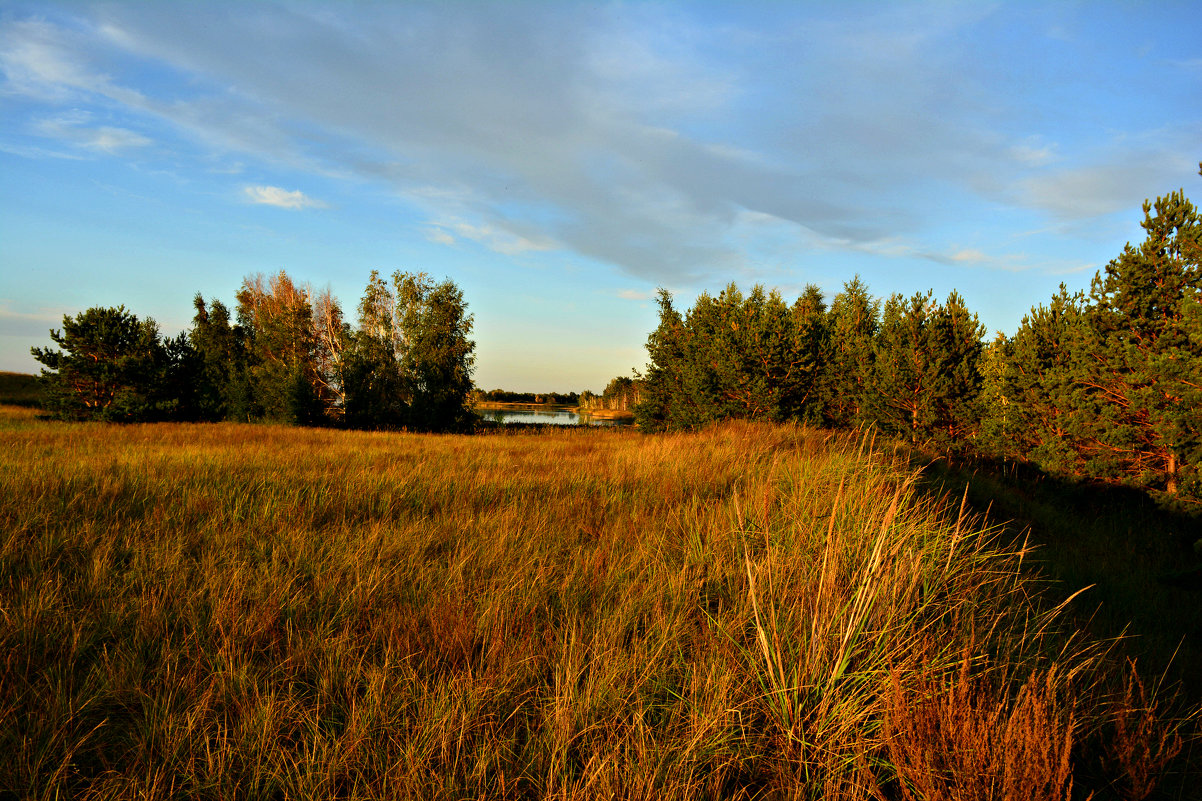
557 417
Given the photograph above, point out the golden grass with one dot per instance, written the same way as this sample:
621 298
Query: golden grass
228 611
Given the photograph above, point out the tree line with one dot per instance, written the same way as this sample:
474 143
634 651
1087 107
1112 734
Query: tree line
1105 385
620 394
533 398
286 355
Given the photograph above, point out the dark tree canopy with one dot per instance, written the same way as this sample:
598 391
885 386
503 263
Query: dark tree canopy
747 357
410 362
290 358
852 322
1105 386
111 366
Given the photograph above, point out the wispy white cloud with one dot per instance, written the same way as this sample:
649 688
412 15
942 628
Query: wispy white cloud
74 128
439 236
53 62
29 323
634 294
282 198
1111 182
495 238
1034 152
29 152
969 256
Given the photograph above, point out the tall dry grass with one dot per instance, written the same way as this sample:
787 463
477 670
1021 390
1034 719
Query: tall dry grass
235 611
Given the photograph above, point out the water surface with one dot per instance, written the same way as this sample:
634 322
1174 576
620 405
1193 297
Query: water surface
558 417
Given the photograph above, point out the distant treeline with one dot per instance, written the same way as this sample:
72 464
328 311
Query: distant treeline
288 356
1106 386
622 394
551 398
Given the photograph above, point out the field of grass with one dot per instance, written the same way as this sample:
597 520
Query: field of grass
230 611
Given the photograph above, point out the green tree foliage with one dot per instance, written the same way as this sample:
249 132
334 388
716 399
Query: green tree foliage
732 356
926 379
666 402
281 346
904 374
111 366
957 337
552 398
436 355
1109 386
852 325
1049 413
222 384
622 393
410 362
812 355
374 391
1146 367
291 357
998 415
180 381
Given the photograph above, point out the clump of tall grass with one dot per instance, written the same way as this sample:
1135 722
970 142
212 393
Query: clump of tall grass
752 611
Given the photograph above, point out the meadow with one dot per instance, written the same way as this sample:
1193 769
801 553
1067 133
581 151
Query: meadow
753 611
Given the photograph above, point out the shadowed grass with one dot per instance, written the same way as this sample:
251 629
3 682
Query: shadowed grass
232 611
19 389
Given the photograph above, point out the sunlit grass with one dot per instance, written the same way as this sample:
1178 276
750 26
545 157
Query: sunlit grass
248 611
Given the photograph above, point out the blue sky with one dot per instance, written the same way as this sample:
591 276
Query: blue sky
559 161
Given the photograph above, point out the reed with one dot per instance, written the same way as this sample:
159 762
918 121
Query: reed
227 611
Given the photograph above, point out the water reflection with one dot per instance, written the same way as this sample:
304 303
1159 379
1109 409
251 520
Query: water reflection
558 417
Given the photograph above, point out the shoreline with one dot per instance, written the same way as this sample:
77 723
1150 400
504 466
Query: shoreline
607 414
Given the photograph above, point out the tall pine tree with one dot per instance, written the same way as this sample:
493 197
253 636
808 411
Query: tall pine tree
926 379
853 322
1147 365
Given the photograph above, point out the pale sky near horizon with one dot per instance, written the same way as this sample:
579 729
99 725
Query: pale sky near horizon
559 161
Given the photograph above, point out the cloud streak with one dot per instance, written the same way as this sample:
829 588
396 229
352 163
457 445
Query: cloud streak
74 129
281 198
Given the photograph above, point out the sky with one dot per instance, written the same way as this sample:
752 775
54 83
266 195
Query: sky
559 161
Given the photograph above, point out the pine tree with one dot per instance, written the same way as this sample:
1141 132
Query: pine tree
999 419
221 383
853 322
664 403
1054 416
812 356
111 367
904 372
730 357
956 344
1146 364
926 381
746 351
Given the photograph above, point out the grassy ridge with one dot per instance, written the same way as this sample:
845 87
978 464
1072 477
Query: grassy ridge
232 611
19 389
